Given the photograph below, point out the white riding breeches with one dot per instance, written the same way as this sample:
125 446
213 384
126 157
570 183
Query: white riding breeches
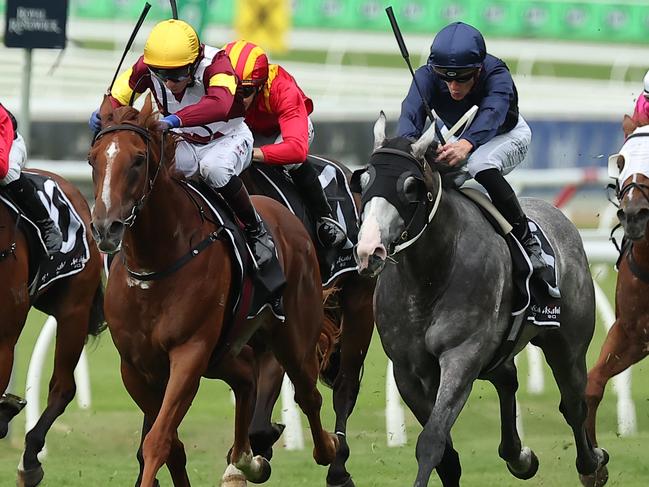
17 160
218 160
504 152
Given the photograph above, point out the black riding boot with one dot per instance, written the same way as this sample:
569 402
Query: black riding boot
259 239
329 232
505 200
24 193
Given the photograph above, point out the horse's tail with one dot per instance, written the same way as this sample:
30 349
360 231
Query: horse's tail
328 355
97 322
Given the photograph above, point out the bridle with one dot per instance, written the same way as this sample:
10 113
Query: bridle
428 205
146 136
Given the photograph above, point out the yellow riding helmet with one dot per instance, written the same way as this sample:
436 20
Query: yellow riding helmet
171 44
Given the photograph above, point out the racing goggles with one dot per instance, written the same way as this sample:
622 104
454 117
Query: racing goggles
248 90
175 75
461 75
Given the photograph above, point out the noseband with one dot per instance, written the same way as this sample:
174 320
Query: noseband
146 136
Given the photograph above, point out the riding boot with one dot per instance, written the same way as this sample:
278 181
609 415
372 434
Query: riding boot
259 239
328 231
505 200
25 195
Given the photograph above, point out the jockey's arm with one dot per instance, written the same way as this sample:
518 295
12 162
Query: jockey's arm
413 114
293 121
130 83
6 139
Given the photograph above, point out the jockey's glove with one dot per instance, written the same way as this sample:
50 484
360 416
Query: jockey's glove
168 122
95 122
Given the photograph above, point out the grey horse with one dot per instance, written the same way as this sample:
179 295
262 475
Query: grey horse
443 308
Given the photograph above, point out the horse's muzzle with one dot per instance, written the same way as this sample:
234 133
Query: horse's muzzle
108 234
370 265
634 221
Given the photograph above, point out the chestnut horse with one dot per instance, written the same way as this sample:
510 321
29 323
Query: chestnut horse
76 301
348 308
167 328
627 341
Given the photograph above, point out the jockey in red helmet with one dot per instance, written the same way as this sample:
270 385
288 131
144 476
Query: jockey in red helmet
277 112
13 155
196 90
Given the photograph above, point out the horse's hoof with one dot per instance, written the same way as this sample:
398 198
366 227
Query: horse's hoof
531 469
233 477
4 429
330 454
597 479
600 476
264 470
30 478
348 483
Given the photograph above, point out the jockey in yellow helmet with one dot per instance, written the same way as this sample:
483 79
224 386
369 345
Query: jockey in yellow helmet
277 112
195 88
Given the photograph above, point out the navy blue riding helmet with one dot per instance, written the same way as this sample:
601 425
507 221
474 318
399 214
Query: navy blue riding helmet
457 51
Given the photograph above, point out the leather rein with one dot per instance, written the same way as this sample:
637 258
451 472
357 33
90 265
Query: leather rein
146 191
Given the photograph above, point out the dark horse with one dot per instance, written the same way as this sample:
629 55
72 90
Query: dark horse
627 341
168 326
348 309
443 308
76 301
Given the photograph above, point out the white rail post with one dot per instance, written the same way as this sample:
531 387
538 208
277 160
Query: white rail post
395 419
293 435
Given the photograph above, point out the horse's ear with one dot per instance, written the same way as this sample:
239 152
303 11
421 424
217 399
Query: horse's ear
106 111
379 131
146 111
628 125
419 147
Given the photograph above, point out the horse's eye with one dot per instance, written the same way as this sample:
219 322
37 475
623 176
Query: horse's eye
139 160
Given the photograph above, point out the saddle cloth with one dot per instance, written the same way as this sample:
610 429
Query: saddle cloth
256 290
275 182
531 294
74 252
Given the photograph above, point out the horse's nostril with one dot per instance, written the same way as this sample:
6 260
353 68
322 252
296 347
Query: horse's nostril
115 228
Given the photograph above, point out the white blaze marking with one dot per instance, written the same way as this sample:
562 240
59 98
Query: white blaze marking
378 215
111 152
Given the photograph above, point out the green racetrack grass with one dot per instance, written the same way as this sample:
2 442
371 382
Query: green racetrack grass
96 447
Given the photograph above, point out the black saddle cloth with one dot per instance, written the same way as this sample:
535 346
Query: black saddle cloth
268 282
74 253
275 182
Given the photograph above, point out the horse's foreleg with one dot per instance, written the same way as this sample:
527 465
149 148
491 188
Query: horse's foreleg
521 462
568 364
186 365
263 433
240 373
357 327
618 353
70 339
420 401
9 405
457 374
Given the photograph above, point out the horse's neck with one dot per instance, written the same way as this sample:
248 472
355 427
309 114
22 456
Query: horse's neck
433 253
164 227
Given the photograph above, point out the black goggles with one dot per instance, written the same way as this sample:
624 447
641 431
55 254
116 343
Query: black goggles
248 90
176 75
461 75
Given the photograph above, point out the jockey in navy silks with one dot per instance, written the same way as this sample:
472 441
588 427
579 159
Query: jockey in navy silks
458 75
